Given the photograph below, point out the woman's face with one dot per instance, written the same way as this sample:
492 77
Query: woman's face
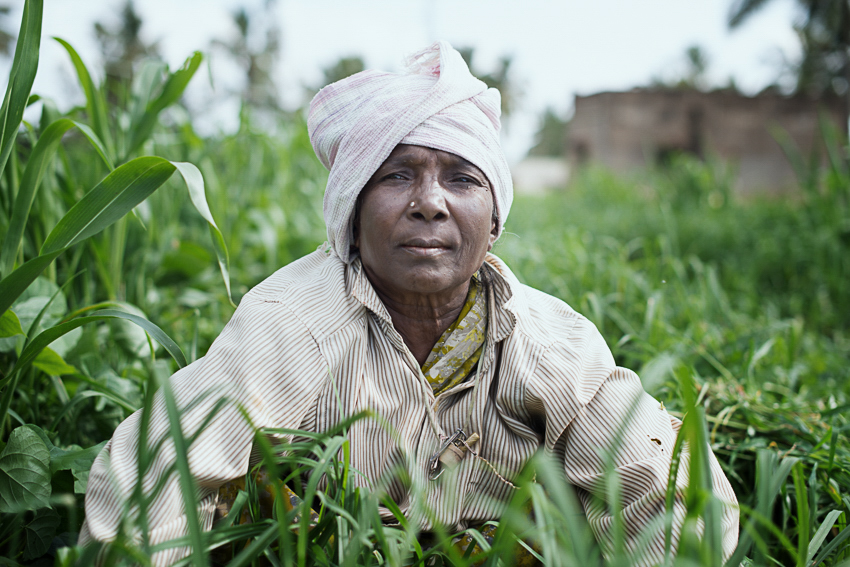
425 222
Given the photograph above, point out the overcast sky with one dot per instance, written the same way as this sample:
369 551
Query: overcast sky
559 48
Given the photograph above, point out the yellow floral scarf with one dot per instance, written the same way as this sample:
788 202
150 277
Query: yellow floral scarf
457 352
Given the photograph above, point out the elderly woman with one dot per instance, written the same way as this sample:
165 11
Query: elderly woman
405 313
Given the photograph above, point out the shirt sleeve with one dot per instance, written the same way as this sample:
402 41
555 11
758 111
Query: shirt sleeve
606 402
265 367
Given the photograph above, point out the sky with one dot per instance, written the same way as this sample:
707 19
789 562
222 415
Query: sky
559 48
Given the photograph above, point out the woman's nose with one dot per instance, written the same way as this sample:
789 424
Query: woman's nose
428 201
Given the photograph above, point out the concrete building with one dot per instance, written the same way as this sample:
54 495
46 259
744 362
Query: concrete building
628 130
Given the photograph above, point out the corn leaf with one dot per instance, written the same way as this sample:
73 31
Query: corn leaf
32 350
195 182
171 93
41 156
111 199
21 77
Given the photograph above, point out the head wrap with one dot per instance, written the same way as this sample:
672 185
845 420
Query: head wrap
355 124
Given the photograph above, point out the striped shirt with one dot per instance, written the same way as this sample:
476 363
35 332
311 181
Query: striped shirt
313 344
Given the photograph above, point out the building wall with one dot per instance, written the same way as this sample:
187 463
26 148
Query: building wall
628 130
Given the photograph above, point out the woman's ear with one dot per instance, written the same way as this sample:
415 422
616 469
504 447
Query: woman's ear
494 233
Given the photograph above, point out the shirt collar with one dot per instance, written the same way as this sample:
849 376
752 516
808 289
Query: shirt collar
361 289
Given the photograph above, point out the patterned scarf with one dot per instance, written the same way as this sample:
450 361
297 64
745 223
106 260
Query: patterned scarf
457 352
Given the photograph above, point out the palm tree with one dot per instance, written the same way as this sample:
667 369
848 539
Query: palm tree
260 89
123 49
825 37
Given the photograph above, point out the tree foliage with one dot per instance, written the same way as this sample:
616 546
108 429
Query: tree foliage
123 49
824 34
256 58
550 139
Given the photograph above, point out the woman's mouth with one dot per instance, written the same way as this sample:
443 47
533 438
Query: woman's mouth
426 248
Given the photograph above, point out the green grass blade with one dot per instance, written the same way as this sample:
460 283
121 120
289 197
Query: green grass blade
713 532
833 445
820 535
771 474
670 498
831 546
95 102
187 482
802 514
21 77
249 554
171 93
195 182
111 199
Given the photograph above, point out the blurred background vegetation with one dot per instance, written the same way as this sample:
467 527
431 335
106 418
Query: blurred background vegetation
748 300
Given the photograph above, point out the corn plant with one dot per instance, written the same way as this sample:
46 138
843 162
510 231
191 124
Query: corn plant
30 463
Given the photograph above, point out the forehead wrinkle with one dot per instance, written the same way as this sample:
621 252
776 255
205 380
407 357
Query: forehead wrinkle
455 160
406 159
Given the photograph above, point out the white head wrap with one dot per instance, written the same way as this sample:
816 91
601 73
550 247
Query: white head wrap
356 123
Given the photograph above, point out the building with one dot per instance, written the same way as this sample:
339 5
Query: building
629 130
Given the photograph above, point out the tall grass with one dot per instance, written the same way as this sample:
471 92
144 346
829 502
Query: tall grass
676 284
733 314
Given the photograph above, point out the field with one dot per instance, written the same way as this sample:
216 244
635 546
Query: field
113 274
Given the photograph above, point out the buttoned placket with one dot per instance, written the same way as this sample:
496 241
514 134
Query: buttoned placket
432 434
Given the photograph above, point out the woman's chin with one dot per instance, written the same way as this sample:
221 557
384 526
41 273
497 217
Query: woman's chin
427 281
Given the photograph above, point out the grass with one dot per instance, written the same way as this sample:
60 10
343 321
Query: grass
734 314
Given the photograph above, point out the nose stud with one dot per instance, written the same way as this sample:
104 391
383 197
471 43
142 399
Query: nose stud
412 203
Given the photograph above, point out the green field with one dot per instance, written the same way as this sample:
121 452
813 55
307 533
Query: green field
734 314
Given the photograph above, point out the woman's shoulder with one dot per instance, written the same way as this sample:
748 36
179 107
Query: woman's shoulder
318 268
314 288
541 317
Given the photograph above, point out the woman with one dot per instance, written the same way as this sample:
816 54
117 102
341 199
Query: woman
405 313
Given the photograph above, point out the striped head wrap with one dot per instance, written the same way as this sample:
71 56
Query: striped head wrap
355 124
